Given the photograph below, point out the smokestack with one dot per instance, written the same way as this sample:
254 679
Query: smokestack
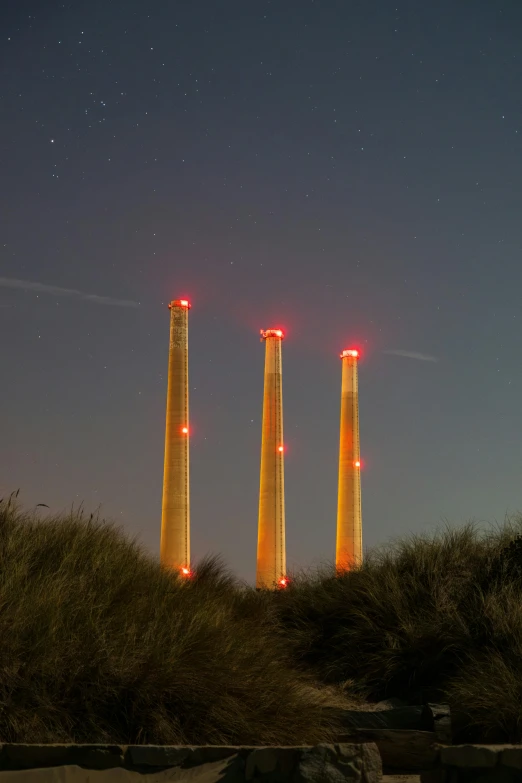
175 511
271 544
349 514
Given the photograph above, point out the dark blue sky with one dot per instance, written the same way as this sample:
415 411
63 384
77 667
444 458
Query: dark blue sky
349 170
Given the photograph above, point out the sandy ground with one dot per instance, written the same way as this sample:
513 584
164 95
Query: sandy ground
401 779
206 773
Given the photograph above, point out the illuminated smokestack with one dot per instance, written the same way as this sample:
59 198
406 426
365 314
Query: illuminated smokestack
271 544
175 510
349 515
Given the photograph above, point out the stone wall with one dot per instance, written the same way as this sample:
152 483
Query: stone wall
355 763
476 764
350 761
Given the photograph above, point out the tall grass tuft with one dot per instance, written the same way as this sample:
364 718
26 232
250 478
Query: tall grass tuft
424 619
99 644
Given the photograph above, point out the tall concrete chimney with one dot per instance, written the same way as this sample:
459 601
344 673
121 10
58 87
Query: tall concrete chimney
175 511
349 514
271 543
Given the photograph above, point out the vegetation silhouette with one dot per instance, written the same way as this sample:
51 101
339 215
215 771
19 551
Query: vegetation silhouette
427 618
98 643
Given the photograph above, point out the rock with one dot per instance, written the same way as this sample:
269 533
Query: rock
264 761
400 749
469 756
371 763
440 718
512 757
338 764
417 718
321 763
341 763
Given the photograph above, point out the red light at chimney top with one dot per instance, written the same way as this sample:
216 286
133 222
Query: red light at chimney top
180 303
350 352
271 333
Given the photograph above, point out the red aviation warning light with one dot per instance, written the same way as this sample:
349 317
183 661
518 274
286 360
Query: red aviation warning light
281 448
271 333
283 582
185 572
180 303
184 430
357 463
350 352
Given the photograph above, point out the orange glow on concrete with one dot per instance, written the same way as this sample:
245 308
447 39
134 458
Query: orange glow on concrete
175 510
271 537
348 552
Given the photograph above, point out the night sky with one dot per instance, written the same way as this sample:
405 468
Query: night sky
350 171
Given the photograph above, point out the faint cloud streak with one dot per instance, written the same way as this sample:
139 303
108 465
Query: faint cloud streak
41 288
421 357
